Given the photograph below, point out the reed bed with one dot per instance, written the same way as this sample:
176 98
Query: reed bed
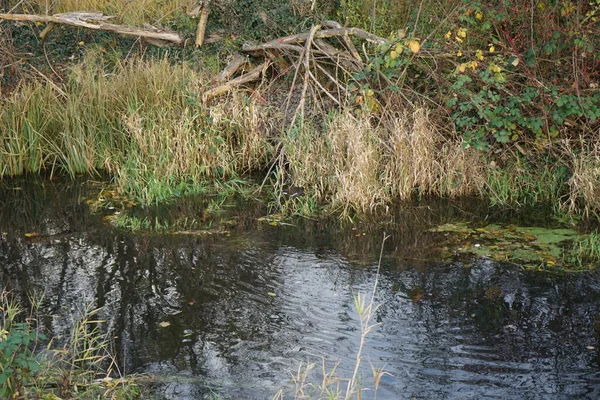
142 123
356 164
145 123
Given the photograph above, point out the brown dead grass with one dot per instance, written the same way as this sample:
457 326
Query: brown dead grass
584 184
355 164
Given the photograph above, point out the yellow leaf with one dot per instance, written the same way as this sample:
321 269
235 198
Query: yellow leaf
459 54
448 35
478 15
399 48
492 48
414 46
393 54
462 33
479 55
462 68
271 294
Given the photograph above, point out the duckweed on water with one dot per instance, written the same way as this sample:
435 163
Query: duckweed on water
538 248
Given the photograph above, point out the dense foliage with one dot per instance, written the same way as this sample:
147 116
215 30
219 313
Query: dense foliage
507 71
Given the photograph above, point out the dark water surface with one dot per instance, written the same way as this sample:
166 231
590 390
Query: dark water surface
472 329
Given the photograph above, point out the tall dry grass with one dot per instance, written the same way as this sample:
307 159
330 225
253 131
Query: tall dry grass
584 183
358 164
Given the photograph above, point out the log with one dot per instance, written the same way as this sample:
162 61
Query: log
95 21
202 26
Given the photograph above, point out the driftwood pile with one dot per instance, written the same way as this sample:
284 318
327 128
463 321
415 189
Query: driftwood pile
317 57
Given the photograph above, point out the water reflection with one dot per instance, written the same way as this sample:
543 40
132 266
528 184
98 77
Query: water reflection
236 315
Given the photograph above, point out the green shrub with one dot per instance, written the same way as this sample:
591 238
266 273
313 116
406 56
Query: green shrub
504 71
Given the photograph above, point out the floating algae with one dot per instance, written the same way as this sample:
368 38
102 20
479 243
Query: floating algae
532 247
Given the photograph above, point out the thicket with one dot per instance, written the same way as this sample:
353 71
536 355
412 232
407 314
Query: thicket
504 72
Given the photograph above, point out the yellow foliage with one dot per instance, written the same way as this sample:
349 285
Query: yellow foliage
414 46
495 68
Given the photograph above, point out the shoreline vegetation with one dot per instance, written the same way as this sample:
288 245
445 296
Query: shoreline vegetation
394 129
498 100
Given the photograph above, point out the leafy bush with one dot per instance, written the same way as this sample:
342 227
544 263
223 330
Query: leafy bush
17 361
504 71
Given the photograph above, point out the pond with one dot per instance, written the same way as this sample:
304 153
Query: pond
234 313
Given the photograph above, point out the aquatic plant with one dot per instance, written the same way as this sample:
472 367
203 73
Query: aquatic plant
31 366
586 251
332 386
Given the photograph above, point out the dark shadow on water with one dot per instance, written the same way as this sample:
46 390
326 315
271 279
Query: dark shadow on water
235 313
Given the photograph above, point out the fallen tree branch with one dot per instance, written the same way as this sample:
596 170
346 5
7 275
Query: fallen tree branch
300 109
202 25
95 21
251 76
232 67
286 41
346 40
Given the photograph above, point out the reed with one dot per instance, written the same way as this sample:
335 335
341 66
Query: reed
31 366
141 123
358 164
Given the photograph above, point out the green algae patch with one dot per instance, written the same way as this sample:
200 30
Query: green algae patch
531 247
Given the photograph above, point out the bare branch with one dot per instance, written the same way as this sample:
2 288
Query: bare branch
95 21
251 76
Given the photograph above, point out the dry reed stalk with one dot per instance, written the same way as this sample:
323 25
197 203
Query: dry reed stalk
419 157
584 184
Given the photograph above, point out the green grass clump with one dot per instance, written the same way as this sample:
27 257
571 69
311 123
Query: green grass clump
143 123
586 252
521 183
